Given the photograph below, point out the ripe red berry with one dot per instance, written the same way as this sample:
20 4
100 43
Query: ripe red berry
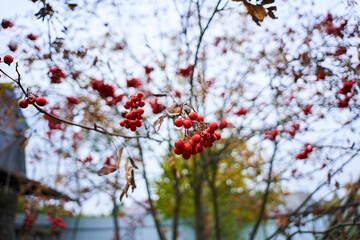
41 101
133 128
179 144
178 122
193 116
141 103
31 99
199 148
187 124
122 123
186 155
178 151
218 135
213 126
8 59
200 118
193 151
138 123
187 147
23 103
140 95
196 138
140 111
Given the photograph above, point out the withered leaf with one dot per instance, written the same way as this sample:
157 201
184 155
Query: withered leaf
257 12
72 6
106 170
119 157
127 169
159 121
133 163
125 190
174 108
264 2
132 180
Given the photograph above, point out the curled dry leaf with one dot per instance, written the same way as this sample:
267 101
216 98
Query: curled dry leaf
258 12
159 121
174 108
106 170
119 157
133 163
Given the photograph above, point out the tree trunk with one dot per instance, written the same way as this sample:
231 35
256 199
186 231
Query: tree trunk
8 199
199 215
177 208
152 207
215 209
115 217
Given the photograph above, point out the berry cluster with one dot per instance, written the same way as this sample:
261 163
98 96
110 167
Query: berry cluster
56 74
55 222
106 91
133 118
133 82
156 106
7 23
307 149
185 72
194 142
41 101
29 220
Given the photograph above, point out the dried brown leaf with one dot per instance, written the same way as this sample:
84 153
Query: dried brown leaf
257 12
119 157
133 163
106 170
159 121
174 108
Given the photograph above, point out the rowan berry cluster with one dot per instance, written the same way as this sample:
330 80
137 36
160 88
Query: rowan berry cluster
56 74
41 101
195 141
304 154
29 220
55 222
133 118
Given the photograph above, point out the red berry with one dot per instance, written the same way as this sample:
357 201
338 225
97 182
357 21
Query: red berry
8 59
133 128
41 101
127 106
179 144
186 155
31 99
140 95
122 123
23 103
141 111
187 147
187 124
141 103
178 122
193 116
178 151
218 135
199 148
213 126
196 138
138 123
193 151
200 118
